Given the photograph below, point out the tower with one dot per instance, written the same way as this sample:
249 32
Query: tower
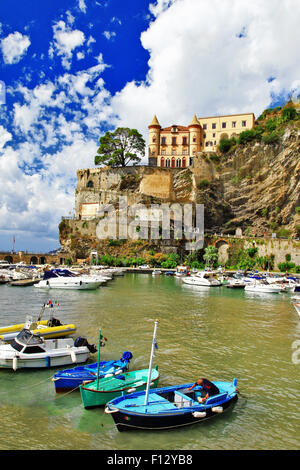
195 130
153 143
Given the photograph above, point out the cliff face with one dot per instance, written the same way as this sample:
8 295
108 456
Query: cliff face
255 187
261 184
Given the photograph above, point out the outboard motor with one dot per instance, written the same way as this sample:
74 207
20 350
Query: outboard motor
81 341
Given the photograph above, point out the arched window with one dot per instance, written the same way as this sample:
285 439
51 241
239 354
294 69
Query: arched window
167 162
90 184
184 162
173 162
162 162
178 163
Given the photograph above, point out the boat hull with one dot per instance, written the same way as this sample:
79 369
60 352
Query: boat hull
132 421
93 397
43 362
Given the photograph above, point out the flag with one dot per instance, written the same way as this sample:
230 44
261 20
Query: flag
155 344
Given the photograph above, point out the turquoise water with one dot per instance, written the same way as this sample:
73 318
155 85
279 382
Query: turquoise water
217 333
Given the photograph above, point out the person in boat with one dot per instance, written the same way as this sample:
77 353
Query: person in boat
208 390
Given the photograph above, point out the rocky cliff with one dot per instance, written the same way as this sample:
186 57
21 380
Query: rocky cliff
255 186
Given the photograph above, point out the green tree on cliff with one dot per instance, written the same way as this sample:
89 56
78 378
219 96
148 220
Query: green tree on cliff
121 147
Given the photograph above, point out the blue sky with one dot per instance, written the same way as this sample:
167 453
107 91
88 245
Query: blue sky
73 69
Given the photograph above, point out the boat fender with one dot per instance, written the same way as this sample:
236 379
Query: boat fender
47 361
119 371
109 411
152 383
73 355
87 382
15 363
108 375
217 409
133 389
199 414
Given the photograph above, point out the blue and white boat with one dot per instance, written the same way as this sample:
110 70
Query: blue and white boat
71 379
170 407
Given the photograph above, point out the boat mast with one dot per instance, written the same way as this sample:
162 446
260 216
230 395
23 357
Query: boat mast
150 364
98 366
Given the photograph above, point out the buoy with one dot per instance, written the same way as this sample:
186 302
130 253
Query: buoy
108 411
73 355
131 390
199 414
15 363
217 409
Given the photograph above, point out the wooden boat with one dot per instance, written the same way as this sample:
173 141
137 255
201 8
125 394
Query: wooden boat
71 379
100 391
28 350
52 328
169 407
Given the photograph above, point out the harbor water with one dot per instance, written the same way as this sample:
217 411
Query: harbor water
217 333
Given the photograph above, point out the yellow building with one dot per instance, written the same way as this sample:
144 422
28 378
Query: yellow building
176 146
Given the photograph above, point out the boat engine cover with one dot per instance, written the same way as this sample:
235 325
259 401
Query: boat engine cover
81 341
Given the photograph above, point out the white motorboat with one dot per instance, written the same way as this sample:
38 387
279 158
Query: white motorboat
28 350
263 286
64 279
236 284
203 278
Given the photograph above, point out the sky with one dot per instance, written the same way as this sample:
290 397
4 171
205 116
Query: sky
72 69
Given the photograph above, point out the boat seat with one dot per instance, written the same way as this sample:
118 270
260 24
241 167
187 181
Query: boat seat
181 400
216 398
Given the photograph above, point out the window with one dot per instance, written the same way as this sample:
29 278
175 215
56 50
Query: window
154 139
178 163
162 162
243 123
173 152
213 125
167 162
173 140
191 161
194 139
184 142
163 152
90 184
173 162
204 135
174 129
214 134
233 123
206 144
204 126
163 141
184 152
223 125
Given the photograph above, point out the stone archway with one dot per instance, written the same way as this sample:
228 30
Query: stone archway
42 260
222 246
9 259
33 260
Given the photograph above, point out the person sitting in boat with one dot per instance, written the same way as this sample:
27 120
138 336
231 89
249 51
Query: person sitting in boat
208 390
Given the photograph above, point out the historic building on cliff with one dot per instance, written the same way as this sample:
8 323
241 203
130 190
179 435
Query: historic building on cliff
176 146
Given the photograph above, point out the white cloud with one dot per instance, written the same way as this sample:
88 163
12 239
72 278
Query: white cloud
65 41
109 34
198 64
5 136
82 6
14 46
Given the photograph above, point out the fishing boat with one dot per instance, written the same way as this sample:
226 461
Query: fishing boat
203 278
170 407
64 279
51 328
99 392
28 350
71 379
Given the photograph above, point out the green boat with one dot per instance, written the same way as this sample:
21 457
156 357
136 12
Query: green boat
100 391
